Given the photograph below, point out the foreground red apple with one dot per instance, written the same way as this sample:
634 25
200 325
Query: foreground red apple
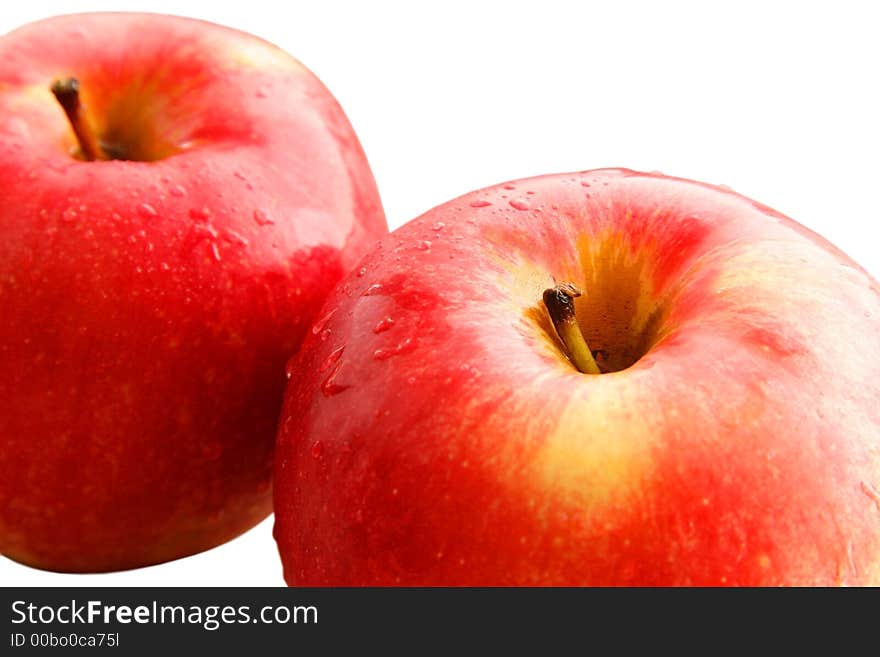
439 435
150 299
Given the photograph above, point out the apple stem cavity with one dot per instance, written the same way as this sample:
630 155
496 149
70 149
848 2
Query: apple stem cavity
559 301
66 92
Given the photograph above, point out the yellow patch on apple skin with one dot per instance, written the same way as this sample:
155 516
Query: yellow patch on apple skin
31 94
252 53
751 267
599 455
523 290
35 100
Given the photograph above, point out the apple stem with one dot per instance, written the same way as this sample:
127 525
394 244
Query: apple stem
66 92
559 301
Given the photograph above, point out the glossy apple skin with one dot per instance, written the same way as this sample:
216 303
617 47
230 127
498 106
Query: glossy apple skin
149 307
439 436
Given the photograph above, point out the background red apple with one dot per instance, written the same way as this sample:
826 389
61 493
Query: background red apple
438 434
149 301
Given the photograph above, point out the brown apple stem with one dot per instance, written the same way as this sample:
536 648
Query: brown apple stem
560 305
67 94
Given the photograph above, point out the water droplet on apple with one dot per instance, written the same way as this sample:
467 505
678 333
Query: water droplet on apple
317 449
325 335
509 186
69 215
383 325
178 190
262 218
584 183
147 211
519 204
362 272
165 266
480 204
407 344
334 356
331 386
215 251
235 238
382 354
425 245
438 226
321 323
204 231
375 288
872 492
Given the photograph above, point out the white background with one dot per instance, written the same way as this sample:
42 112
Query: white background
779 100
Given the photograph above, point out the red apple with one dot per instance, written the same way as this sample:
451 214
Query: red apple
438 433
150 298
